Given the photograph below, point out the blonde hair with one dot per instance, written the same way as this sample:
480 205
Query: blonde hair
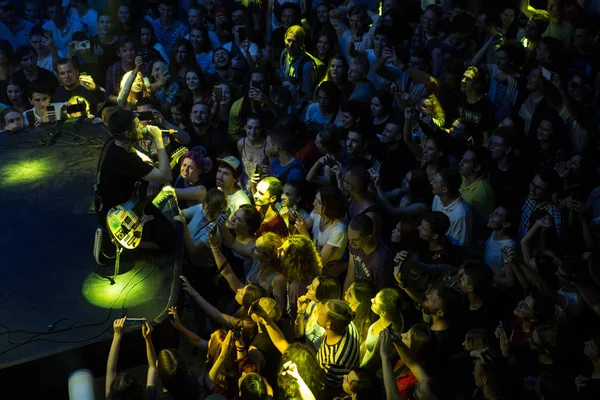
131 97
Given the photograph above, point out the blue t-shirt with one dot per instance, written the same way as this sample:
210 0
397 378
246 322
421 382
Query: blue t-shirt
294 171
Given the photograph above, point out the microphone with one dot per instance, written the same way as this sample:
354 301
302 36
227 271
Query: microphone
164 131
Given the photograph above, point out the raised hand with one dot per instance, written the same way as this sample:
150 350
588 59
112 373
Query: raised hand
303 303
139 61
385 344
185 285
504 339
290 368
180 218
118 325
545 222
147 330
227 345
175 321
87 82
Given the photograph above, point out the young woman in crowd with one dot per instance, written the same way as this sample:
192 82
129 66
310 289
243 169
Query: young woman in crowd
198 89
148 47
182 59
251 148
133 87
16 96
359 295
381 110
337 72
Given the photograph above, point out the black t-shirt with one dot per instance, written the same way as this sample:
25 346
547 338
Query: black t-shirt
109 56
394 166
45 78
94 97
510 186
481 114
214 141
119 172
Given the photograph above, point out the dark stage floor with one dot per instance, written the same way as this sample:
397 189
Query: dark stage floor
48 275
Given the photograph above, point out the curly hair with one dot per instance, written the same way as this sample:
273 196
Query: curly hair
308 368
271 243
301 261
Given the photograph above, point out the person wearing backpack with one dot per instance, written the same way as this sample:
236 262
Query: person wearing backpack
296 62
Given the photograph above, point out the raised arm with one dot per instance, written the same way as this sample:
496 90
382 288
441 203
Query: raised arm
190 336
233 244
124 92
273 330
389 381
208 308
150 354
223 266
113 354
226 347
410 143
410 361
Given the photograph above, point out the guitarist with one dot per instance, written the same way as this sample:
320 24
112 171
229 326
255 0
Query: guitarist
120 168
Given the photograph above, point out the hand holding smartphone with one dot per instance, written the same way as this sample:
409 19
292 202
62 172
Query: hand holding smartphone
218 93
546 73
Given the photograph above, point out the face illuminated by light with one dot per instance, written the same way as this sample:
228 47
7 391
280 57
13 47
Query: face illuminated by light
262 197
190 171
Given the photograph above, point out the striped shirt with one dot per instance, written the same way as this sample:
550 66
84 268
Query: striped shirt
339 359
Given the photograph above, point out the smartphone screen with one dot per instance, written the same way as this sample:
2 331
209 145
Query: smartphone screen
546 74
241 34
165 69
145 115
218 93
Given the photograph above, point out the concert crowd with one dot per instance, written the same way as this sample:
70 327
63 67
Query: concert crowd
396 199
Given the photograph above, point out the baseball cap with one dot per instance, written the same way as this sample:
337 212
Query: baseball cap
271 308
231 161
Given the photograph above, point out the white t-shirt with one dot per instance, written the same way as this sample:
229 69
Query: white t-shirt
493 254
89 20
236 200
461 220
336 235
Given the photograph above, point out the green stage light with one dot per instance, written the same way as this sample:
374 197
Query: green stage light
23 172
130 289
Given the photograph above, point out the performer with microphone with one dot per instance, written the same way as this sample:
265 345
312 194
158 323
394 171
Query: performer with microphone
120 170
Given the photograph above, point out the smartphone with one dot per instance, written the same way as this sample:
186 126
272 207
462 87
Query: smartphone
134 321
546 73
48 33
241 34
257 85
237 333
145 115
218 93
83 45
164 69
331 162
259 169
75 108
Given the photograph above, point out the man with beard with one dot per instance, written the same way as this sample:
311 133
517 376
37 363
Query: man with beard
541 189
75 84
444 307
212 139
268 191
296 62
397 159
226 73
228 176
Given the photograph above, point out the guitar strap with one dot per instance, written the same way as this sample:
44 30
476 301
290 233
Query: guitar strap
98 198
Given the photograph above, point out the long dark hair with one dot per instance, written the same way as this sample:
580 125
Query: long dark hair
190 59
364 291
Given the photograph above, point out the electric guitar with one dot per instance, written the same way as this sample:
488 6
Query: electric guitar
126 221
